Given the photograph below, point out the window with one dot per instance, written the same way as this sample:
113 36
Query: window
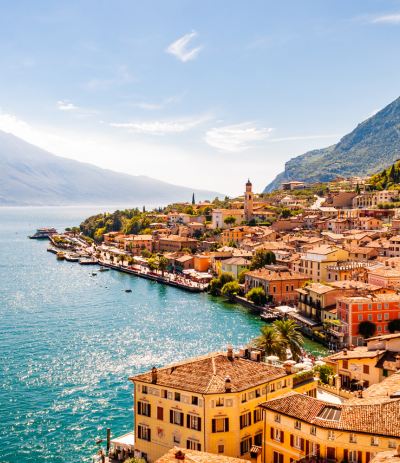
345 364
163 393
385 373
392 444
272 389
220 425
194 422
386 316
219 402
366 369
369 306
274 289
360 306
331 435
144 389
278 435
258 439
386 329
221 448
313 430
292 288
287 288
245 420
379 328
245 446
144 409
144 433
374 441
258 393
297 424
178 396
244 397
160 413
257 415
297 442
313 448
284 383
353 439
379 306
370 317
360 317
278 457
176 417
353 456
193 445
277 418
176 439
386 306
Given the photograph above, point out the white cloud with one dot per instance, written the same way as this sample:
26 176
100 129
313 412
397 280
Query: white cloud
235 138
65 106
178 48
151 107
307 137
390 18
374 112
159 128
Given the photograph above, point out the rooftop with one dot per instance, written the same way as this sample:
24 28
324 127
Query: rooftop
271 275
194 456
207 374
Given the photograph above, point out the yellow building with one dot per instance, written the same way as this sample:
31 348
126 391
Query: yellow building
209 403
299 427
314 264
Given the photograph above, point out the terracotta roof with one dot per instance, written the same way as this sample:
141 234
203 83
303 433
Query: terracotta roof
388 361
270 275
390 456
318 288
388 297
353 284
375 416
207 374
194 456
184 258
322 250
357 353
359 249
384 337
236 261
388 272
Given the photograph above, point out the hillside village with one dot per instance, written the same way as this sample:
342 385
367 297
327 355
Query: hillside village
325 257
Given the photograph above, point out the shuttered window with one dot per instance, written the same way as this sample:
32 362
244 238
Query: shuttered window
176 417
193 422
220 425
245 420
144 409
245 446
144 433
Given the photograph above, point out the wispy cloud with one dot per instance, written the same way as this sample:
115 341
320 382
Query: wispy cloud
390 18
235 138
121 76
159 128
65 105
307 137
178 48
152 107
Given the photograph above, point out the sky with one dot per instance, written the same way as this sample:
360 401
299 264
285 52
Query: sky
199 93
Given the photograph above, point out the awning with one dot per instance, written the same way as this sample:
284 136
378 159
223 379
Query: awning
127 440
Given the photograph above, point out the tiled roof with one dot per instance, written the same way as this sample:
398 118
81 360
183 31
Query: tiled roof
207 374
390 456
387 272
359 249
270 275
194 456
384 337
322 250
388 361
373 298
236 261
319 288
375 415
357 353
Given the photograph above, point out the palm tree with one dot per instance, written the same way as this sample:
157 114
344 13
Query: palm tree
270 341
112 256
121 258
289 335
162 265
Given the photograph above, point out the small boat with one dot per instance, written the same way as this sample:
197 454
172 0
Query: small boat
128 290
94 273
103 269
60 256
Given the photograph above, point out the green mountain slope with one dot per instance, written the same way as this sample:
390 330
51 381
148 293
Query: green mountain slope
372 146
30 176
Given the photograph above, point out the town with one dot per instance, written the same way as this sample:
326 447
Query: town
322 260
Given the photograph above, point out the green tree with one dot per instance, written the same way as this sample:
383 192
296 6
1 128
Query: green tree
135 460
290 335
231 288
262 258
112 256
152 263
367 329
122 258
270 342
186 250
162 264
226 277
241 277
325 371
394 325
285 213
230 220
145 253
232 244
188 210
213 286
257 295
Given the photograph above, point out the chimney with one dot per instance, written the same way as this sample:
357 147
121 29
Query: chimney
154 375
179 455
230 353
397 362
344 351
288 368
228 384
351 347
360 394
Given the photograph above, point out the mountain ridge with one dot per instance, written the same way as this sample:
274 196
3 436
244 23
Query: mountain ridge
31 176
372 146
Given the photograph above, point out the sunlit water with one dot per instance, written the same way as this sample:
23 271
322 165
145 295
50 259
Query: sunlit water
69 341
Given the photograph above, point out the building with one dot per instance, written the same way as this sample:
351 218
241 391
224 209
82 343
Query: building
318 301
235 265
362 253
202 262
313 265
219 215
386 277
279 283
349 270
177 218
371 199
208 403
356 308
109 238
195 456
293 185
248 202
298 427
175 243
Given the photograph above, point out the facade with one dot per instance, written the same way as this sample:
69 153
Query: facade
175 243
202 262
314 264
315 300
279 283
209 403
219 215
177 218
371 199
386 277
248 202
235 265
194 456
109 238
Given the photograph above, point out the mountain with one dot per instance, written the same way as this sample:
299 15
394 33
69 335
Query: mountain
372 146
30 176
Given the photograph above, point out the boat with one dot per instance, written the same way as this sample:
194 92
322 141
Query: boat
71 257
128 290
94 273
269 317
103 269
60 255
43 233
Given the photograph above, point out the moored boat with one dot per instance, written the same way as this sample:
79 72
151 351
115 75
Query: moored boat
60 255
43 233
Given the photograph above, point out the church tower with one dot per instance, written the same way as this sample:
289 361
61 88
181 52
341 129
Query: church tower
248 202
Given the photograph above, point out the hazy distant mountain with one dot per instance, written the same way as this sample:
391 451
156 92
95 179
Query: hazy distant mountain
30 176
372 146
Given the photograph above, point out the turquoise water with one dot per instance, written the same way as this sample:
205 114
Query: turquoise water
69 341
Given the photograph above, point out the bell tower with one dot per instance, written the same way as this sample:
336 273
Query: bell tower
248 201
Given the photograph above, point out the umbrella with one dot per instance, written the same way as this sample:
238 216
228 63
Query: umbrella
300 365
319 362
289 362
272 358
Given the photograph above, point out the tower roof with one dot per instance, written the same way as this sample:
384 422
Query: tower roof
248 182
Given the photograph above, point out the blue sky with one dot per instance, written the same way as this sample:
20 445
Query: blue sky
196 93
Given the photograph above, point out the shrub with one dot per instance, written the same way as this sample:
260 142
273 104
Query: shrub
325 371
256 295
231 288
366 329
242 277
394 325
226 277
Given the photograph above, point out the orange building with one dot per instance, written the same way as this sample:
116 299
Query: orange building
202 262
